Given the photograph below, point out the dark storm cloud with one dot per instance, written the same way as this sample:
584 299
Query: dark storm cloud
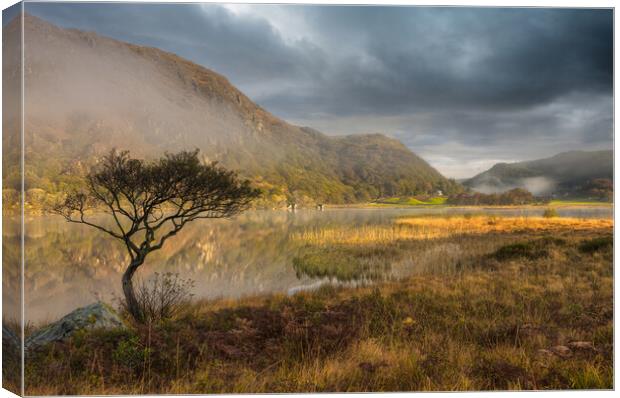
411 59
464 78
247 50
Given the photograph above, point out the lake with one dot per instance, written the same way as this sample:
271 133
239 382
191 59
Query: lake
70 265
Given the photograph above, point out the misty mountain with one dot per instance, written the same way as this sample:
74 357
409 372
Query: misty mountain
564 173
85 94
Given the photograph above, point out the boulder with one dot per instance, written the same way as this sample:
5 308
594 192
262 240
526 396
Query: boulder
10 339
93 316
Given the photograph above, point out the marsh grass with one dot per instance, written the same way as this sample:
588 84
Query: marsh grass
510 290
345 263
429 228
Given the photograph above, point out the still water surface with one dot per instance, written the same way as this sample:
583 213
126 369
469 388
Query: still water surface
70 265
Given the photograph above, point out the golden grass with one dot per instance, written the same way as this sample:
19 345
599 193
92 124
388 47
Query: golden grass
426 228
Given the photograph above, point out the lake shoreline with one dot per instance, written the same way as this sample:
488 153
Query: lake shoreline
256 253
14 212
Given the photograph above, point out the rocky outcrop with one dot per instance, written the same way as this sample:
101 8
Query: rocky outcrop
93 316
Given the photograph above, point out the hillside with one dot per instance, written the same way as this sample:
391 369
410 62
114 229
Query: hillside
86 94
567 173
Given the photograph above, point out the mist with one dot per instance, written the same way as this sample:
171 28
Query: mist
83 88
536 185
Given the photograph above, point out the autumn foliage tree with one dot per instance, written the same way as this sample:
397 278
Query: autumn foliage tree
148 202
516 196
601 188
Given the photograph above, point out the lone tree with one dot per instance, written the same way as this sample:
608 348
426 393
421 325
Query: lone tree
149 202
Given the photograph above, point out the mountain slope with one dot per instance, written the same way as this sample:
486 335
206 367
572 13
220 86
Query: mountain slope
86 94
564 173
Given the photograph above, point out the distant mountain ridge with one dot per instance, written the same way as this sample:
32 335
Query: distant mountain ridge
564 173
86 94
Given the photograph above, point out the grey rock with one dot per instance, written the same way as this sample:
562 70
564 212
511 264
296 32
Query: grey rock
9 338
93 316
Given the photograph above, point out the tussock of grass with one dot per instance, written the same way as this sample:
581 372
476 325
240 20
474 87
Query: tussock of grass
596 244
530 250
479 327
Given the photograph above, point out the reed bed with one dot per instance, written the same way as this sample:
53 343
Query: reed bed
428 228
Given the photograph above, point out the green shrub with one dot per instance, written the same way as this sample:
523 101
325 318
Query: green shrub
130 353
596 244
530 250
550 213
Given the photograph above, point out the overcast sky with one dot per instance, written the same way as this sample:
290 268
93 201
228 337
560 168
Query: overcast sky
462 87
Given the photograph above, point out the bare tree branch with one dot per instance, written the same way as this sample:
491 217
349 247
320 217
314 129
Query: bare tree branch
150 202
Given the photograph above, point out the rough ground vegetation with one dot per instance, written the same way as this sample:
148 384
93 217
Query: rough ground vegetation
525 304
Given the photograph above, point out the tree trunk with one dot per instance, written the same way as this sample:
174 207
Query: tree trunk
130 296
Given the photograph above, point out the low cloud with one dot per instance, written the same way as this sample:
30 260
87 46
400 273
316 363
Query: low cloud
536 185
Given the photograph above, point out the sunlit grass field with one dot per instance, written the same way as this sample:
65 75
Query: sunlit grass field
443 304
410 201
578 202
442 201
436 227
